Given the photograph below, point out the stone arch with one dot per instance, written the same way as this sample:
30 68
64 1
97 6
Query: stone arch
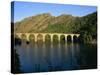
17 39
16 36
62 38
31 37
55 38
23 36
75 38
69 38
47 37
39 37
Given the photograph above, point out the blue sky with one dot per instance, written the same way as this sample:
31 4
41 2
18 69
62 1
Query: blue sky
26 9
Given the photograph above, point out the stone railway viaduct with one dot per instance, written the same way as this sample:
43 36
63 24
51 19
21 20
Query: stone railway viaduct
35 36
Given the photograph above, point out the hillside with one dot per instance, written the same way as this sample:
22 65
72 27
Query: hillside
41 22
86 25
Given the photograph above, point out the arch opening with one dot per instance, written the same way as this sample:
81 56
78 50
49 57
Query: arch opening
23 37
69 38
31 38
55 38
47 38
17 40
62 38
16 36
39 38
75 38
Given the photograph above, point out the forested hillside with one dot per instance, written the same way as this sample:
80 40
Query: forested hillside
86 25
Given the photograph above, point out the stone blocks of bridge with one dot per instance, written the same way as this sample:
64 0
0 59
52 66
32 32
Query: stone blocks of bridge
44 35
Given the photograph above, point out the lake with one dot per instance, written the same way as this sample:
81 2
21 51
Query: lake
43 57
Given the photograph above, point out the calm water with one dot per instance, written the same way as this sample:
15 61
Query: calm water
54 57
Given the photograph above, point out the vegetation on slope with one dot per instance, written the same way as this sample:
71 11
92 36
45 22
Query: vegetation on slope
86 25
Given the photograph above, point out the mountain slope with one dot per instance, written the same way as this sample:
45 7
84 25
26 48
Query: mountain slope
40 22
86 25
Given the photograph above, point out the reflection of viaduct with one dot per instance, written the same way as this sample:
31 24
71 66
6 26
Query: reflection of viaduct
51 35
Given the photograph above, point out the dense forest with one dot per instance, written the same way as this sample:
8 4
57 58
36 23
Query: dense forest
86 26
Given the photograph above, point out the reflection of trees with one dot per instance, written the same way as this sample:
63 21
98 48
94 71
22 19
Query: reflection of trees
88 57
16 68
17 41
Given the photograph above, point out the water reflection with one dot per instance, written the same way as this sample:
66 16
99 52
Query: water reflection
43 57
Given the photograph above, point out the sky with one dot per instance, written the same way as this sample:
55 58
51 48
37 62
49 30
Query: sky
25 9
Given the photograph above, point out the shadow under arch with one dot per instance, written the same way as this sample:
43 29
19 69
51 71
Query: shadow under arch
80 39
47 38
17 40
55 38
69 38
62 38
31 38
16 36
75 38
23 37
39 38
